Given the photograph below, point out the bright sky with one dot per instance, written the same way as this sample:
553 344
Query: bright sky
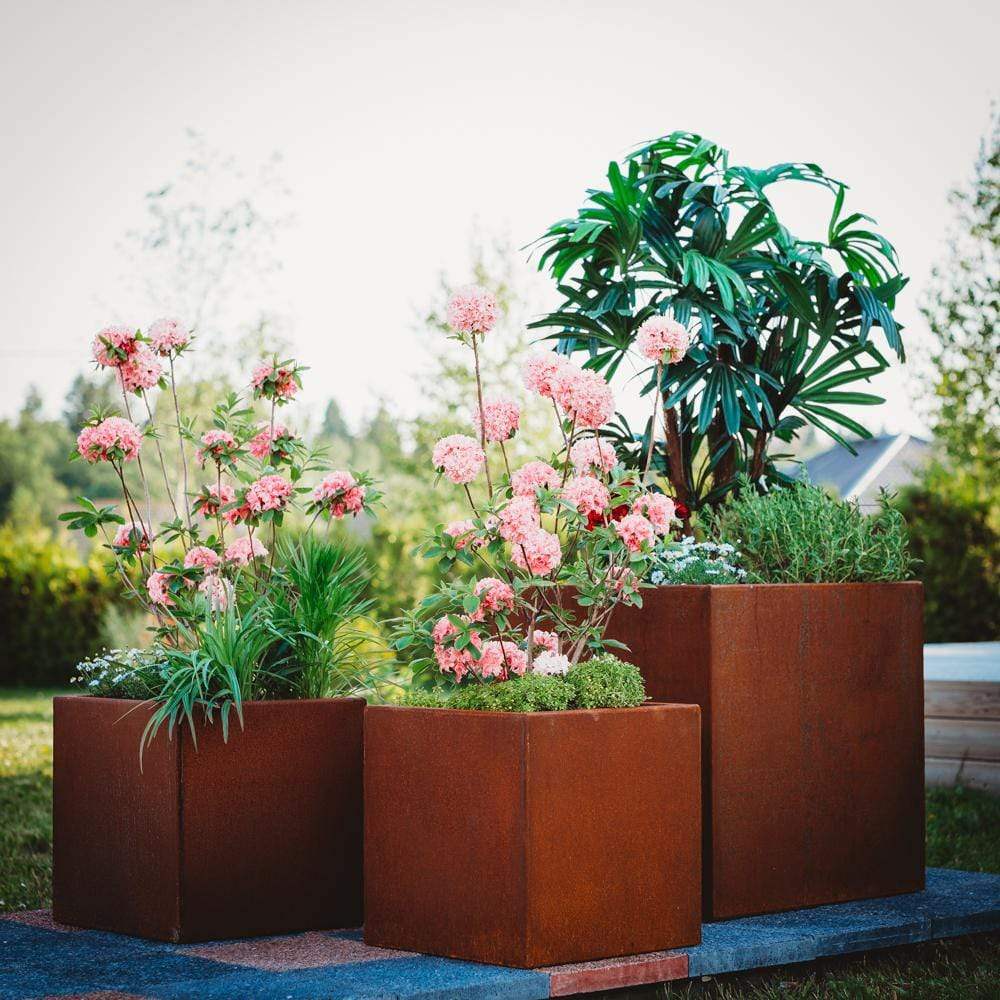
401 124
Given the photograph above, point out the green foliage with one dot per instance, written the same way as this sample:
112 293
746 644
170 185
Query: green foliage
530 693
121 673
25 798
962 309
218 667
315 600
606 682
961 829
800 534
52 607
602 682
957 550
780 334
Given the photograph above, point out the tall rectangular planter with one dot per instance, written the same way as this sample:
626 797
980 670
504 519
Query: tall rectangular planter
532 839
260 835
812 734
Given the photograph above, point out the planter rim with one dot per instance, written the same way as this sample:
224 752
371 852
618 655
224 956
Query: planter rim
150 701
532 715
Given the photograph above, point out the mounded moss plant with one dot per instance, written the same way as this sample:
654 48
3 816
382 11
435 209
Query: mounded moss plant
801 534
606 682
603 682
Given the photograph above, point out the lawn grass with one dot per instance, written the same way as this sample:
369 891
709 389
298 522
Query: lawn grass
25 799
963 831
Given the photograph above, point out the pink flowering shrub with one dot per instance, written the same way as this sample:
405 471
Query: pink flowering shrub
219 550
555 543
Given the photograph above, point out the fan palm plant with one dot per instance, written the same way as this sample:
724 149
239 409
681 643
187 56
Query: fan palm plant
781 327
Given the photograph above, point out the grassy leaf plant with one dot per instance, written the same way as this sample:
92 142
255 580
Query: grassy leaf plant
241 610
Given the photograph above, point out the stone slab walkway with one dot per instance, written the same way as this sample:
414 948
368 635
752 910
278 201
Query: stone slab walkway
40 959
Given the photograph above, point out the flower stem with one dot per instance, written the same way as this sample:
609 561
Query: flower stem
482 416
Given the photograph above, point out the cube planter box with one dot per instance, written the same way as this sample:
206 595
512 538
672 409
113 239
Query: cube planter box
532 839
260 835
812 734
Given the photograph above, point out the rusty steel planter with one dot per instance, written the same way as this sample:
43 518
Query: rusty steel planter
260 835
532 839
812 729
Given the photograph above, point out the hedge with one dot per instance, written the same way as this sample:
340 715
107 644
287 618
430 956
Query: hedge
52 608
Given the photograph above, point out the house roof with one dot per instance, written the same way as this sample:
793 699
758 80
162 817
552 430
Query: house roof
888 461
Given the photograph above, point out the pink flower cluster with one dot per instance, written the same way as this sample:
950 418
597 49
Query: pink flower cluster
584 396
662 339
168 335
519 518
500 658
217 497
158 588
243 549
114 439
472 310
202 557
494 595
270 492
264 444
587 494
635 531
464 533
215 444
539 553
540 370
592 453
115 344
131 536
216 590
532 476
450 660
280 381
459 457
340 494
546 640
502 418
658 509
141 371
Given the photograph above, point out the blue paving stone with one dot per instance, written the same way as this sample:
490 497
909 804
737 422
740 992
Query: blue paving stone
959 902
747 943
423 978
38 962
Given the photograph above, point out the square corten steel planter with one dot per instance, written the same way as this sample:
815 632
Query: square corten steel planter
812 729
532 839
260 835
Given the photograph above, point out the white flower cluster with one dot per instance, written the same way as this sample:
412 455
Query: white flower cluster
116 671
680 561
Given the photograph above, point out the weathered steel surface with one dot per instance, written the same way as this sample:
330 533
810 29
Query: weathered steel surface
812 734
532 839
262 835
116 840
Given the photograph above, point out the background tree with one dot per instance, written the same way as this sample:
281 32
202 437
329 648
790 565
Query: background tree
779 332
954 508
962 309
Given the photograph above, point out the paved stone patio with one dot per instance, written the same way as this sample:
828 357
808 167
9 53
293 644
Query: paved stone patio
40 959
